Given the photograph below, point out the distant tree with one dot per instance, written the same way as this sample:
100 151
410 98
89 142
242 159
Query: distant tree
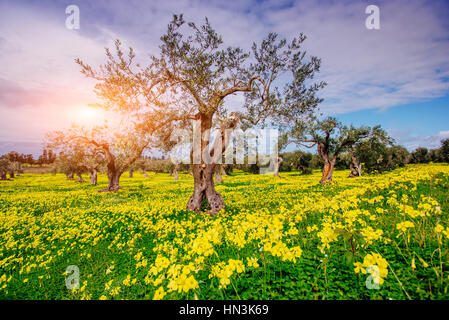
435 155
51 156
29 159
69 165
4 168
303 162
369 150
119 148
316 162
296 160
420 155
331 138
15 167
444 150
132 92
344 161
76 156
396 157
47 157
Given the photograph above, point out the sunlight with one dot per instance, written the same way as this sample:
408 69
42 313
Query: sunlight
89 113
86 115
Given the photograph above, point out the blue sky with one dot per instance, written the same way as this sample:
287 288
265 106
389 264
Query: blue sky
396 76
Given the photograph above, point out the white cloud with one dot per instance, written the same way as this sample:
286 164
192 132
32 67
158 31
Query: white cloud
405 61
410 140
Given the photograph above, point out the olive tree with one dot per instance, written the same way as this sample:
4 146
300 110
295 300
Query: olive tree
192 77
5 165
365 150
201 74
330 137
75 156
444 150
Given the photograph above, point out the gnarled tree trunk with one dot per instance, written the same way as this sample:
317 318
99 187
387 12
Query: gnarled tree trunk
204 189
223 171
204 186
328 169
355 167
218 177
277 166
11 174
145 173
175 172
70 176
80 178
113 181
3 176
131 173
93 176
329 163
114 173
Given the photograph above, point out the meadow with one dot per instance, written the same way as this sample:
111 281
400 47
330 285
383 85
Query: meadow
374 237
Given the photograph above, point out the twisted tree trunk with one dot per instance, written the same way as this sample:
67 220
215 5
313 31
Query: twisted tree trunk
355 167
204 189
114 173
203 173
329 162
223 171
131 173
277 166
145 173
3 176
80 178
328 170
218 177
93 176
175 172
70 176
113 181
11 174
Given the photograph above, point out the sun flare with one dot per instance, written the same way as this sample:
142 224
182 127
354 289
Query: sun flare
88 113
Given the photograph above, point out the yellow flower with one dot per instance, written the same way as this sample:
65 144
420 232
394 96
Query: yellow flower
159 294
358 267
439 228
108 285
372 263
127 281
252 262
403 226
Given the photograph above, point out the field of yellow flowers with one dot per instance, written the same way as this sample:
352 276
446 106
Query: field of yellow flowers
374 237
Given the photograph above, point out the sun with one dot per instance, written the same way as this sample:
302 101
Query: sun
88 113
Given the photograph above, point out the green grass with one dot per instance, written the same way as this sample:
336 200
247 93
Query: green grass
48 223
